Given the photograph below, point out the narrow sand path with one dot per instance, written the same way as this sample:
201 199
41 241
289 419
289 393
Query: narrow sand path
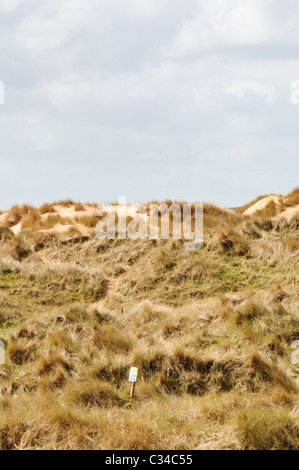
111 288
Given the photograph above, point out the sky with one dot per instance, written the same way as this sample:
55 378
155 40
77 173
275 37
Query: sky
181 99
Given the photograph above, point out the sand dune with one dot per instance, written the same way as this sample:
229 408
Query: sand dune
279 202
211 332
73 215
260 205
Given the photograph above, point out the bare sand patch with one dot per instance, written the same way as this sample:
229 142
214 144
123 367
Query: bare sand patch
290 212
260 205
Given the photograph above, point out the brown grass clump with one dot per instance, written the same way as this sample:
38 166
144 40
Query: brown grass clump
45 365
20 247
73 231
5 234
274 429
94 393
51 221
16 213
270 210
79 207
14 216
30 220
230 242
65 203
109 337
270 373
292 199
20 351
89 221
47 209
248 311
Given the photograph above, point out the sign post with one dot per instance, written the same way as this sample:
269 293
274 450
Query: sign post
133 379
2 353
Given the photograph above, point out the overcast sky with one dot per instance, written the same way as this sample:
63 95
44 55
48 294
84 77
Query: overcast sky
152 99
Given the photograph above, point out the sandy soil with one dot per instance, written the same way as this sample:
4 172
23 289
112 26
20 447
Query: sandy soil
61 228
16 229
289 212
3 218
262 204
71 213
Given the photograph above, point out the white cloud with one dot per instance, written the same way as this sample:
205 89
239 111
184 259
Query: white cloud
52 24
8 6
221 23
239 89
116 92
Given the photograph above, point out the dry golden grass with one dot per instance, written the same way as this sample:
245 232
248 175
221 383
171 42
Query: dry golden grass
47 209
242 209
272 208
291 199
5 234
89 221
210 331
16 214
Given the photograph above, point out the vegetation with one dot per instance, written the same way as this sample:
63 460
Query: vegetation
272 208
291 199
242 209
210 331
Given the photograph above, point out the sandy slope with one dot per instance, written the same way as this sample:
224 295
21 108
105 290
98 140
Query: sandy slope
260 205
60 228
289 212
71 213
16 229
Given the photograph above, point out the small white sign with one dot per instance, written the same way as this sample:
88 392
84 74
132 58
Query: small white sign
133 374
2 353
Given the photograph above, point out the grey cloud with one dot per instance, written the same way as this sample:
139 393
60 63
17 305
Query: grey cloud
112 97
